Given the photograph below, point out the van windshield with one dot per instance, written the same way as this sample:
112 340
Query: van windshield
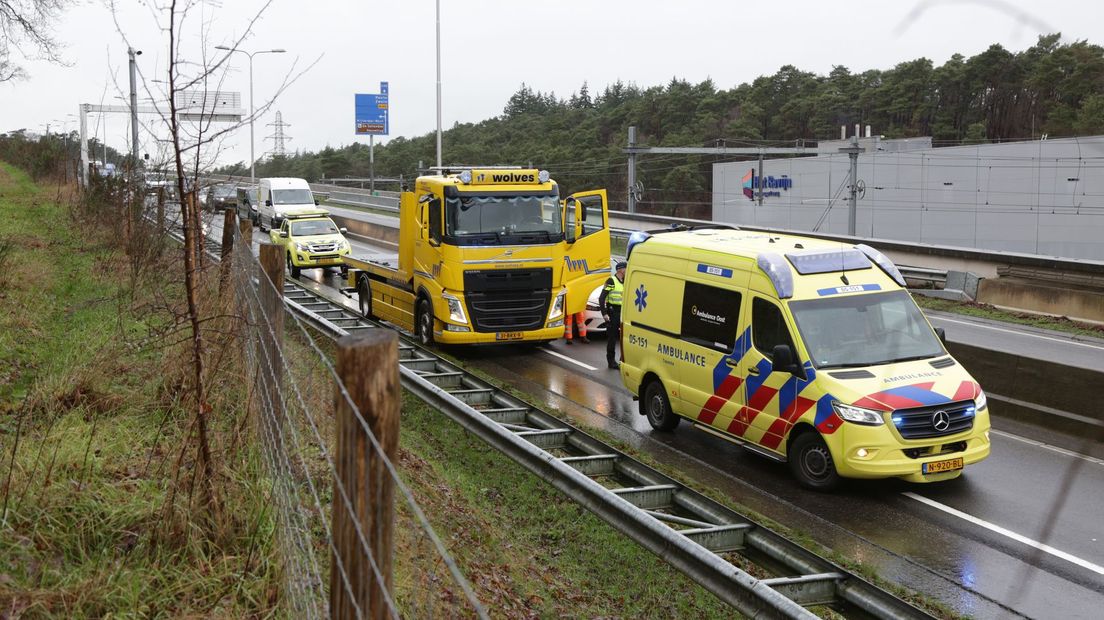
292 197
864 330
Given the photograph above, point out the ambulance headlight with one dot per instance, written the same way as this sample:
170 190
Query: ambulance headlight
543 176
980 402
456 309
557 307
859 415
465 176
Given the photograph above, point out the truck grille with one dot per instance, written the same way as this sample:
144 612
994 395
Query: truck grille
920 422
504 300
323 247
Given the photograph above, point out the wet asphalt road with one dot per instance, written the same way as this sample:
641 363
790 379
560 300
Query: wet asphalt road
1020 534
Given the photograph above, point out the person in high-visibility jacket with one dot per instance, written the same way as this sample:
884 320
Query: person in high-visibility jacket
613 293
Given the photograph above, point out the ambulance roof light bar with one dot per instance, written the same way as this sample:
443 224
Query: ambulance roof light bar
778 270
883 262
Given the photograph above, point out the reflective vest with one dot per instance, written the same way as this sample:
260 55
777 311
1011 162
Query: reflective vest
615 291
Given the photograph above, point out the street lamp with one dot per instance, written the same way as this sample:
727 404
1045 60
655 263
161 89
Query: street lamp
252 158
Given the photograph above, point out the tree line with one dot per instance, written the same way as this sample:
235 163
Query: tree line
1052 87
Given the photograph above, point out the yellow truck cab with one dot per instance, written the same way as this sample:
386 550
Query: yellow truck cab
804 350
311 240
486 255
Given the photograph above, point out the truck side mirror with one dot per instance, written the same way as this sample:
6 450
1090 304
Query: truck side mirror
784 360
942 334
283 234
268 203
316 202
344 230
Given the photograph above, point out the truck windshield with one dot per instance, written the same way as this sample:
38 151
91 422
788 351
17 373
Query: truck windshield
493 219
292 197
864 330
306 228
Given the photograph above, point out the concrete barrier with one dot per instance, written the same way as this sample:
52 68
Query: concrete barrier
1080 303
1016 386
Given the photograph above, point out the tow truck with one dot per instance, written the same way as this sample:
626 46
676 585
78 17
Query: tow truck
486 255
311 240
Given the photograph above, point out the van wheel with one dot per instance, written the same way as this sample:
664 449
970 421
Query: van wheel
364 296
657 407
292 269
811 462
424 323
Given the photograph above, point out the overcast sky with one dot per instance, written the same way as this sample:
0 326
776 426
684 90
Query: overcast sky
489 47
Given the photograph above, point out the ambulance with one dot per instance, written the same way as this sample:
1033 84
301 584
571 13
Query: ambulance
807 351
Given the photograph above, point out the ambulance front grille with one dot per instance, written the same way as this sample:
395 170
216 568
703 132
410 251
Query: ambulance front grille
921 422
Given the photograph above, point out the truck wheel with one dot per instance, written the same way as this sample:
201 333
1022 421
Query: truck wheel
364 296
811 462
657 407
291 267
424 322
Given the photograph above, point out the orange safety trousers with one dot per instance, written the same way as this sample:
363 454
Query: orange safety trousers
580 319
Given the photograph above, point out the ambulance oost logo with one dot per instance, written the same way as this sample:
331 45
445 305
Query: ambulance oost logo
641 300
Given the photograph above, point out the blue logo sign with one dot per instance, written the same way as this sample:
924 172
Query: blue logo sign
372 112
641 299
768 186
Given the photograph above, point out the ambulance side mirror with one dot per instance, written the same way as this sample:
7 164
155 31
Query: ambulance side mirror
942 335
784 360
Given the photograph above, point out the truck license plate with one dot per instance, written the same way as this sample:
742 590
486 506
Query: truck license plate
939 466
507 335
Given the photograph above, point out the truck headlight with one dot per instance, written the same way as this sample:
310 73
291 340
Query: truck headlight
557 307
980 402
859 415
456 309
302 247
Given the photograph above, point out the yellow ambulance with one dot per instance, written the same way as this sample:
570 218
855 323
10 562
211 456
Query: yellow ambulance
804 350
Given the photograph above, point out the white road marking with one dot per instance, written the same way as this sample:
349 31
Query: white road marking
1020 333
568 359
1008 533
1047 446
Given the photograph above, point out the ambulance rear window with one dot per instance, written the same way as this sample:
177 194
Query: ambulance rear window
828 261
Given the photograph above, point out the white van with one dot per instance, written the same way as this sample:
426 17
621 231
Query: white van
280 197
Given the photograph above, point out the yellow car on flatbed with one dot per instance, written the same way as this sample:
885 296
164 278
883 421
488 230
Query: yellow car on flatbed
311 241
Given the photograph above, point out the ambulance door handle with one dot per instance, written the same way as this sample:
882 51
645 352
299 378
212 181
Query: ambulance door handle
731 363
753 370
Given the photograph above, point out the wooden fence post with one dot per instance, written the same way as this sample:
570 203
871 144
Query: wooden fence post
270 323
368 367
227 252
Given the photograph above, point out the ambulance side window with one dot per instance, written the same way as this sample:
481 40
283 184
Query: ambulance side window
768 327
710 316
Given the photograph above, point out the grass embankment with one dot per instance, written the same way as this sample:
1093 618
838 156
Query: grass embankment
93 416
90 436
985 311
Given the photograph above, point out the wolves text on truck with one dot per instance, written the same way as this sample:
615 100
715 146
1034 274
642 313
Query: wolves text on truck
487 255
804 350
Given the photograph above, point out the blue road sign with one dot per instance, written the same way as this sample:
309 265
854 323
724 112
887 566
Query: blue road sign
372 113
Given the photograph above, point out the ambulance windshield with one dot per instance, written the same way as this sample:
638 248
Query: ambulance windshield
864 330
503 219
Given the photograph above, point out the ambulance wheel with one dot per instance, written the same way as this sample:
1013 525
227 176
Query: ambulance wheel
291 267
811 462
364 296
424 323
657 407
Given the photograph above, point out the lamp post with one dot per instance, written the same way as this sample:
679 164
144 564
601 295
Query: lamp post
252 158
133 53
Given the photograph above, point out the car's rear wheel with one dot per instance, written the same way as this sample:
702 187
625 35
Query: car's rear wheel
657 407
811 462
424 322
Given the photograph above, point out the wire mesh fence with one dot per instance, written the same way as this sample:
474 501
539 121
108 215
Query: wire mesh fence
352 539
